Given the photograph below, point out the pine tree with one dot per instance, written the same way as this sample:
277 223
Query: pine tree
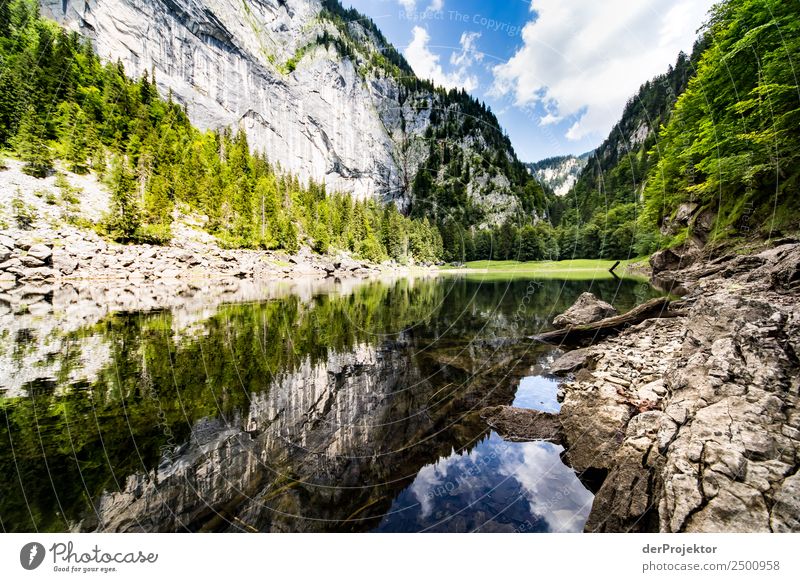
395 238
5 18
31 145
10 103
76 136
125 219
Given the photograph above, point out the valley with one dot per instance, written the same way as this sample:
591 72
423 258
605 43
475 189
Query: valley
257 275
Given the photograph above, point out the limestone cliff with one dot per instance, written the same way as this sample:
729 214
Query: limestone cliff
317 89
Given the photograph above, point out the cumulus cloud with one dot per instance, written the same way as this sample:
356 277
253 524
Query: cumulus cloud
410 6
427 65
582 60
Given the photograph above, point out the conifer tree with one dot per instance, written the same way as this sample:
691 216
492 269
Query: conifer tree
125 216
5 18
31 145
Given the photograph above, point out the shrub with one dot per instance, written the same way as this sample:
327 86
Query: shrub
25 214
153 234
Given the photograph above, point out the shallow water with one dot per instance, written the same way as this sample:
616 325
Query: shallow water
312 407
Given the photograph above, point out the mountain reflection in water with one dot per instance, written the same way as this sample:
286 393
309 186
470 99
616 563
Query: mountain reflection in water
331 407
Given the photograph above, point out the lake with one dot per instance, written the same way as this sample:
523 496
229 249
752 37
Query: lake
284 407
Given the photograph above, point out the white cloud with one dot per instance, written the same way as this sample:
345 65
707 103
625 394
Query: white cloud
468 55
427 66
410 6
584 59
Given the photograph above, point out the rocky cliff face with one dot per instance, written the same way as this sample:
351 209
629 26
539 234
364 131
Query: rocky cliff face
321 109
690 423
559 174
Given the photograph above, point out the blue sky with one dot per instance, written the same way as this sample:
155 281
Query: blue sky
556 72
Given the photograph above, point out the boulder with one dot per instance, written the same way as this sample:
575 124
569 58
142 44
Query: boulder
587 309
31 261
786 510
570 362
12 265
38 274
521 424
65 263
676 258
41 252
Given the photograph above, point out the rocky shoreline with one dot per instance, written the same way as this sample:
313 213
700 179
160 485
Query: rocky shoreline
69 254
689 423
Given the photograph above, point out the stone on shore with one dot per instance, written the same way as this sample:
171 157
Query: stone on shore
570 362
587 309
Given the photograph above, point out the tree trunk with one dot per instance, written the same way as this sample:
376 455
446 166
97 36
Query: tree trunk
588 334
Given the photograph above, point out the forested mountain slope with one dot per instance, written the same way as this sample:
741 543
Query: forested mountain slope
707 151
59 100
730 154
320 91
599 213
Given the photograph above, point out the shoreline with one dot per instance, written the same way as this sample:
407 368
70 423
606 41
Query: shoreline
69 254
690 423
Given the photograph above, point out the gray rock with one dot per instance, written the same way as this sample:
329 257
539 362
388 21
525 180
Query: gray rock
38 274
594 422
570 361
41 252
785 515
520 424
31 261
65 263
587 309
12 265
676 258
737 508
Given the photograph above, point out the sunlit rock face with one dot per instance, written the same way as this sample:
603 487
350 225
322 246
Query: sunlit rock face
221 59
256 65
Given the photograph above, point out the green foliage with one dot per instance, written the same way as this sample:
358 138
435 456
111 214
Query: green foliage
723 135
125 218
88 113
24 214
733 142
77 137
153 234
31 145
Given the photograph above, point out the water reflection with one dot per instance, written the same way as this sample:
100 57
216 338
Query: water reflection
498 486
538 393
267 408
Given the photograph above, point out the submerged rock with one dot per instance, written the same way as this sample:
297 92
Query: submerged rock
570 362
522 424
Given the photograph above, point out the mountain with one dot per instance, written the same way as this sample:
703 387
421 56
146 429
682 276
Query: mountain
559 173
598 218
729 163
320 91
616 171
